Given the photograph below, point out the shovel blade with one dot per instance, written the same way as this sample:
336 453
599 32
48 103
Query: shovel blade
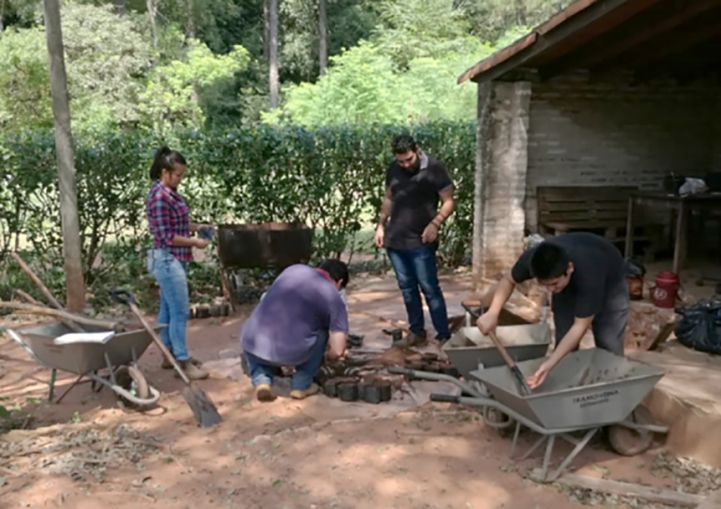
203 408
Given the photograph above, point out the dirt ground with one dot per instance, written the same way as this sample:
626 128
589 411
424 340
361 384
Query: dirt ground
318 453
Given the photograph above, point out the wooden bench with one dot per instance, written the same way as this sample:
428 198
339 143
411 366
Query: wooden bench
597 209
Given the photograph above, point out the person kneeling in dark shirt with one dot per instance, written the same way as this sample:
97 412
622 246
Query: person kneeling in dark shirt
587 276
300 317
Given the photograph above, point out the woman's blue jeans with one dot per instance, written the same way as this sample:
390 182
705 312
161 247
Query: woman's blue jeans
170 273
262 372
416 268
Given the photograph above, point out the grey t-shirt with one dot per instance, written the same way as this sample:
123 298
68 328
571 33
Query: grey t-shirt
598 282
284 325
415 196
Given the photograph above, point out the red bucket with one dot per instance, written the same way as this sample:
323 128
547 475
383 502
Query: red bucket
666 290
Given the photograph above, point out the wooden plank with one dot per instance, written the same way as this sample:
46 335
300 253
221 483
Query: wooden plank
590 205
563 217
663 335
623 489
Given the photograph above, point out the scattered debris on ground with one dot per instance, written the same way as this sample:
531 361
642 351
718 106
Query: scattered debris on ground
688 476
79 452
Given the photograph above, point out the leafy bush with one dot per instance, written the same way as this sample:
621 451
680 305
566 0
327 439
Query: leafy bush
328 178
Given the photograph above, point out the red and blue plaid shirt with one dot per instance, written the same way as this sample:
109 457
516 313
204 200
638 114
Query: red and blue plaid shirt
168 215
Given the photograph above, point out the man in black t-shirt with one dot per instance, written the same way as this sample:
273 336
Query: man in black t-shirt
414 184
587 277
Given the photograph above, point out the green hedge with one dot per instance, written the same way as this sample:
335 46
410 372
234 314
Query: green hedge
330 178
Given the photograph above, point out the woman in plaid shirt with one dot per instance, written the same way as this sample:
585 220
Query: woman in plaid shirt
169 220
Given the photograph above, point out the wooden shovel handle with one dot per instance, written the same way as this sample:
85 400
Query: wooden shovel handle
502 350
158 342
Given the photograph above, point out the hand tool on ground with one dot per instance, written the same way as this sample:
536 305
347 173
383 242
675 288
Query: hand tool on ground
525 390
203 408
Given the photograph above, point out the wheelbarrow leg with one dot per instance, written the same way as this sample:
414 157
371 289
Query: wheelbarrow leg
535 446
515 438
76 382
579 447
53 377
547 456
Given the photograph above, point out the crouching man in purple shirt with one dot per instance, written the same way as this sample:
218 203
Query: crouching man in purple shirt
300 317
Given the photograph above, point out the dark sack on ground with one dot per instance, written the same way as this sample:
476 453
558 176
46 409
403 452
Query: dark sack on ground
700 326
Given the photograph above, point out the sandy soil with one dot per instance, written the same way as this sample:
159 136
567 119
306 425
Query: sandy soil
318 453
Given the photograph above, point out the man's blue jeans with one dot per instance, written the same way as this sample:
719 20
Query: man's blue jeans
170 273
417 268
262 372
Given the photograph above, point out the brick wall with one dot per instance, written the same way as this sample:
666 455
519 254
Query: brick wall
589 132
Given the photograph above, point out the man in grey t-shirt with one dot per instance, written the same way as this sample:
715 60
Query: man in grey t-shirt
587 276
300 317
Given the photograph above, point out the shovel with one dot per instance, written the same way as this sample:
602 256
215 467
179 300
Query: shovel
525 390
203 408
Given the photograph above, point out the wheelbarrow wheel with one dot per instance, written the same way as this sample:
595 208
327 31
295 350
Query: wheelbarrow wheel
631 442
502 423
130 377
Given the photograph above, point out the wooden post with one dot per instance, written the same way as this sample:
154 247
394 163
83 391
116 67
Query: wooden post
629 228
74 280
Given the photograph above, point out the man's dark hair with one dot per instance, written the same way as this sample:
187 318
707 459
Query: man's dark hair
549 261
404 143
165 159
337 270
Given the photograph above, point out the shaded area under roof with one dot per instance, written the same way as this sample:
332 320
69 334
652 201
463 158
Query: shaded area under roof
681 38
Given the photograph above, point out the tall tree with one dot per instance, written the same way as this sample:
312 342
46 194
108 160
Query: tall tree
322 36
74 280
119 6
273 77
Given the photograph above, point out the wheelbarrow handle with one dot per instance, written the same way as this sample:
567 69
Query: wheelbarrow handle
122 297
19 340
445 398
398 370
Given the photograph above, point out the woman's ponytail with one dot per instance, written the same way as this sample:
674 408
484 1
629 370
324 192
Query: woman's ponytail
164 160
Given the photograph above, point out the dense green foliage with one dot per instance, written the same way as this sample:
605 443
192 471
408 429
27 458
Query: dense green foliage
329 178
194 74
199 63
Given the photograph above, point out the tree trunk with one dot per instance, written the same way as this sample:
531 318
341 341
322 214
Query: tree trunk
190 28
266 31
152 7
274 80
119 7
74 280
322 36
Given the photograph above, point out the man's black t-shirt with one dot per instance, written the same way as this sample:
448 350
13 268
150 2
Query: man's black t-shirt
414 201
598 282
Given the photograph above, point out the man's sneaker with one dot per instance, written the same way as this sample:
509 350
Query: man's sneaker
413 339
193 371
264 393
297 394
167 365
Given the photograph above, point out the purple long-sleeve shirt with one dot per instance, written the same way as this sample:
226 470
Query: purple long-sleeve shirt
168 215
